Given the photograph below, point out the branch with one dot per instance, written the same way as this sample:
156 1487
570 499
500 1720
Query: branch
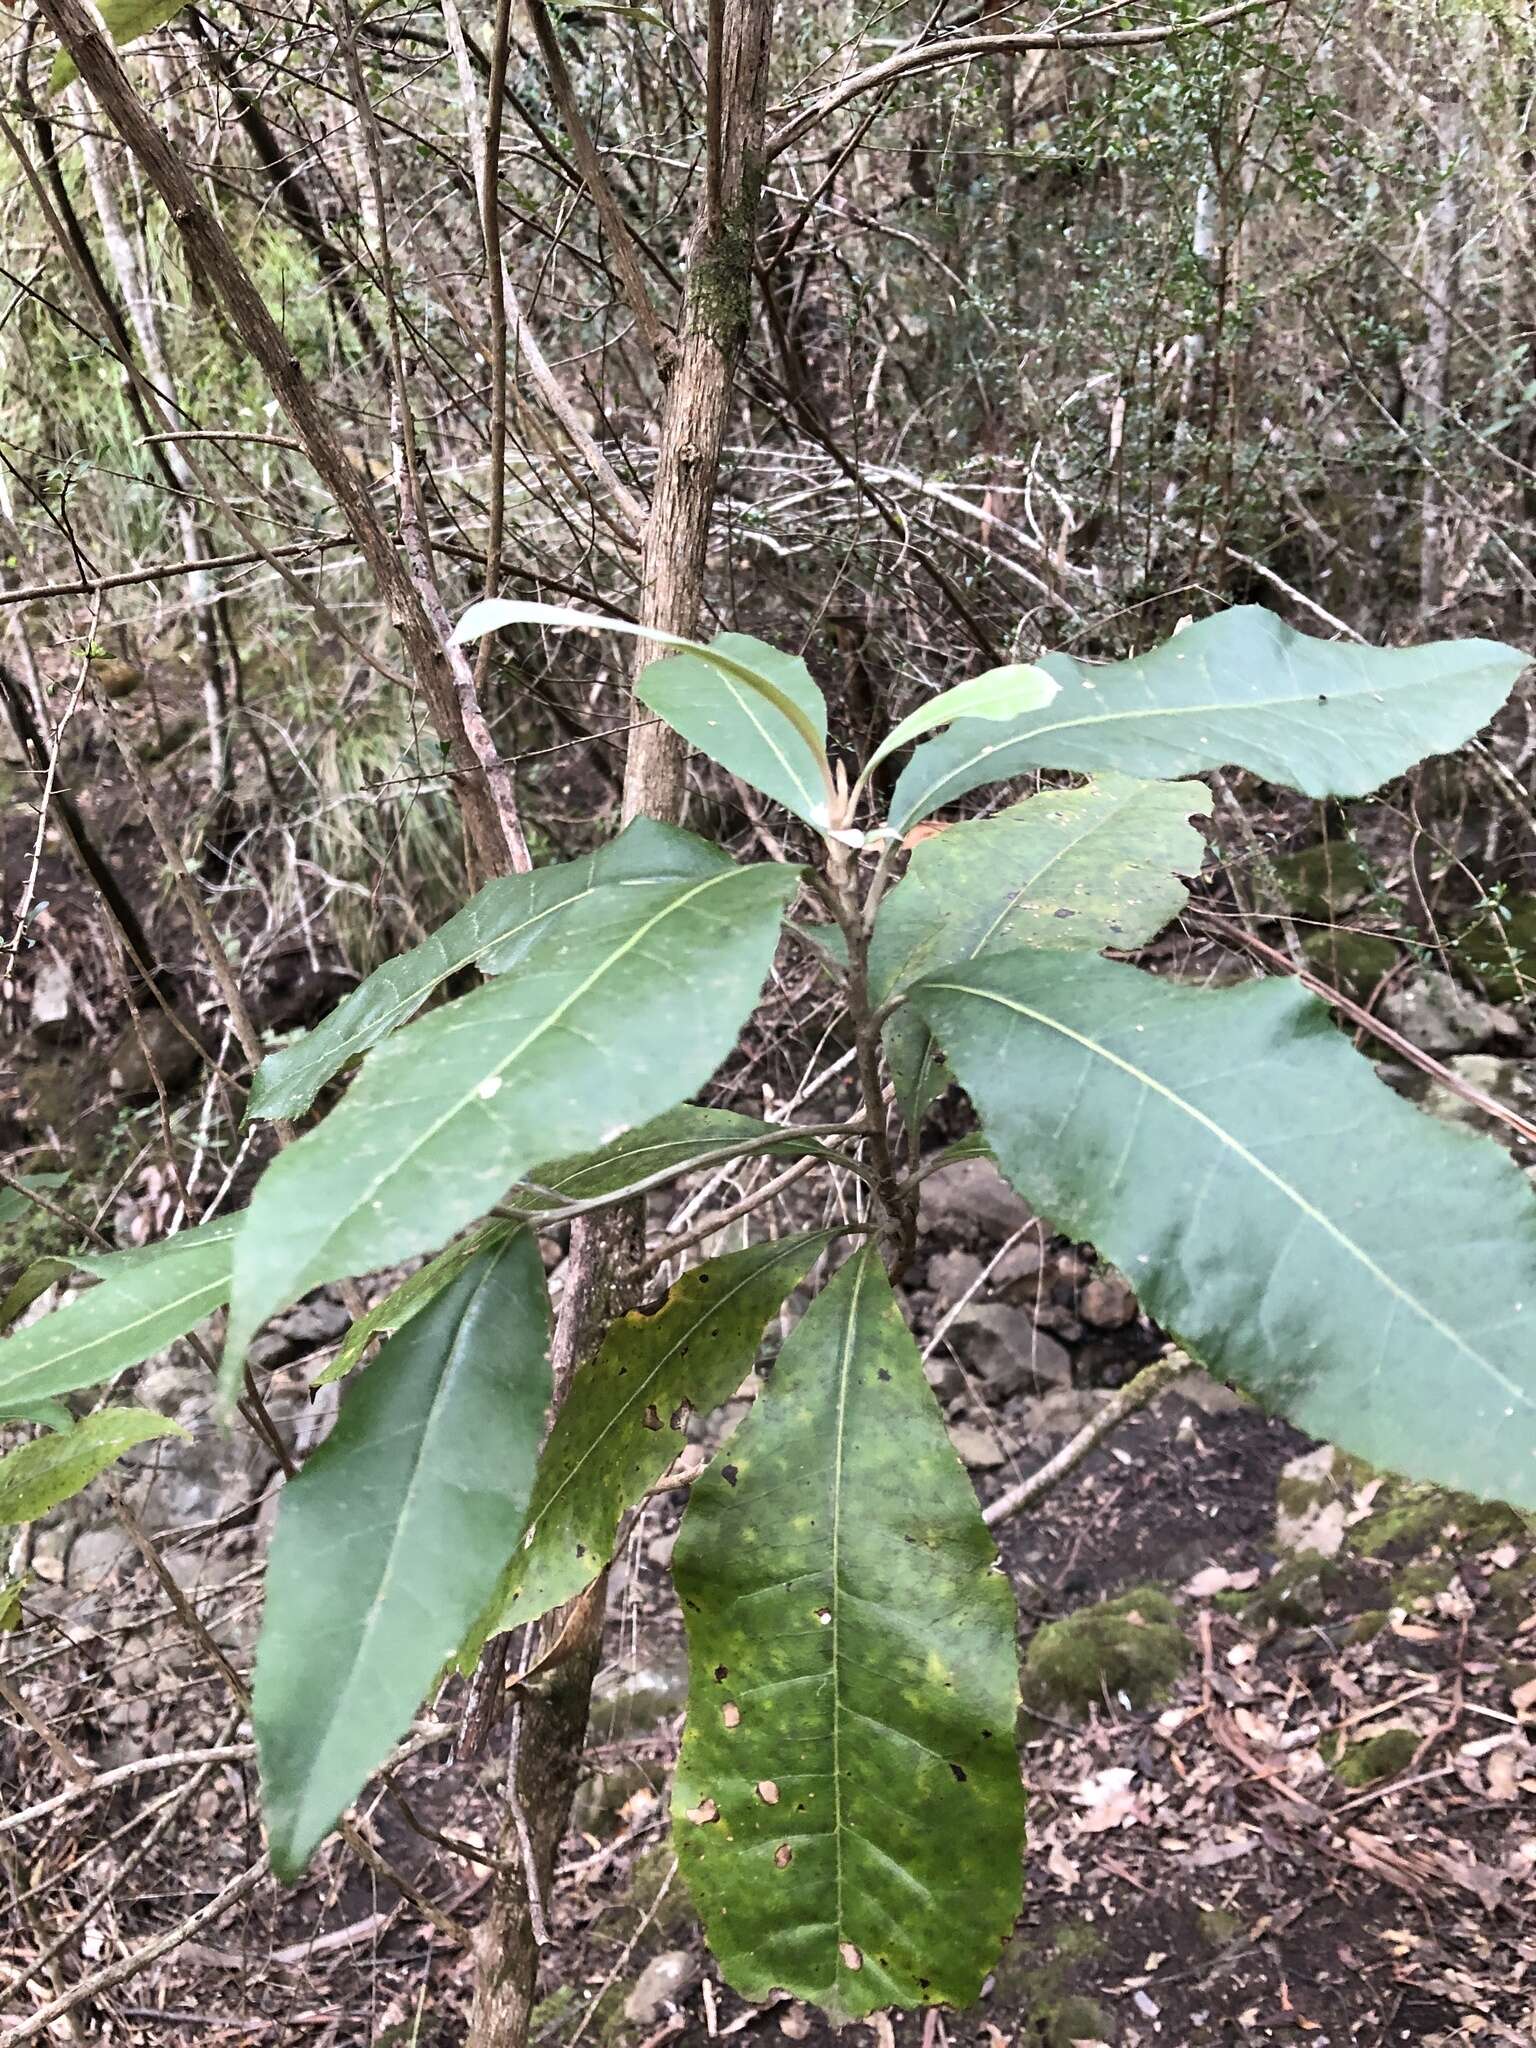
656 338
1136 1393
41 2022
960 49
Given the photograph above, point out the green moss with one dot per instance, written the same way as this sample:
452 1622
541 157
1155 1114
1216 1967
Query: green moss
1298 1591
1352 961
1368 1626
1421 1582
720 282
1218 1928
1380 1756
1131 1645
1034 1978
1322 882
1058 2023
552 2012
1407 1518
1499 949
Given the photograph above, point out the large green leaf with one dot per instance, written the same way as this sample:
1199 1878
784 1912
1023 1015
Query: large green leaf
623 1421
38 1475
717 713
126 21
635 1000
848 1811
391 1539
147 1298
1074 869
1242 688
1366 1270
494 931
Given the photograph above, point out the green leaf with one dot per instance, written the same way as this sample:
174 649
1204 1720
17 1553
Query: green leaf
667 1144
999 693
1364 1269
11 1591
752 709
1072 869
148 1297
390 1540
14 1202
625 1418
34 1280
50 1469
848 1812
412 1296
126 22
758 740
1242 688
636 999
494 931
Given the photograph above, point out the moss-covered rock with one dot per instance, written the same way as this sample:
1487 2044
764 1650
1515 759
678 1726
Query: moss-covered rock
1405 1519
1218 1928
1322 882
1416 1585
1498 949
1131 1645
1034 1980
1298 1591
1355 962
1379 1756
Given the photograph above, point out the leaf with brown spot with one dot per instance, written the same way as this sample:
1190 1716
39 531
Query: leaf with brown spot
849 1504
608 1448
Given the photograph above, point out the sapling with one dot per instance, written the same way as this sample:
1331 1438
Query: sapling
848 1811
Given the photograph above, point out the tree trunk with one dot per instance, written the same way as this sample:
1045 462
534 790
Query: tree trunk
552 1727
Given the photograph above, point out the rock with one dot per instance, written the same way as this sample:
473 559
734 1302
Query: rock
1439 1015
1312 1499
53 1015
1063 1411
1131 1645
951 1275
1003 1349
1107 1301
96 1553
1500 949
978 1448
1354 962
1211 1397
664 1980
320 1321
173 1056
631 1700
1510 1082
1379 1756
1019 1268
971 1199
943 1374
1298 1591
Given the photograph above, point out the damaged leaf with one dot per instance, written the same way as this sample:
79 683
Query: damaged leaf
871 1815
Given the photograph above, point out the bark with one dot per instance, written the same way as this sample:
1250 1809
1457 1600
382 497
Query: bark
674 558
213 263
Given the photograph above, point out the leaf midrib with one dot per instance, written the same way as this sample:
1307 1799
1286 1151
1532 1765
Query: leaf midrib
1308 1209
1119 804
9 1389
398 1162
716 1306
446 1387
1123 713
